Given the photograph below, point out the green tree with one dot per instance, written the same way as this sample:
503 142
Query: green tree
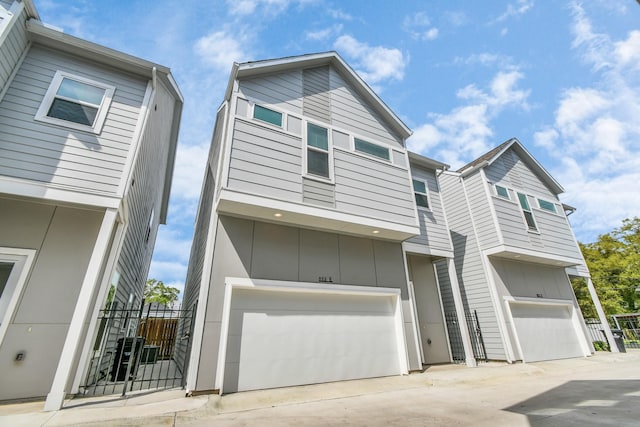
614 263
156 291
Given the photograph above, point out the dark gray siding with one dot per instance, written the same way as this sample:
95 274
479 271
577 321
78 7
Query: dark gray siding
144 197
469 267
433 228
13 46
61 156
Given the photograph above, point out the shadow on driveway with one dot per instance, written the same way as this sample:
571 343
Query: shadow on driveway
580 403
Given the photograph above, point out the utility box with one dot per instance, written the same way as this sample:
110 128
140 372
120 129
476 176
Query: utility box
126 352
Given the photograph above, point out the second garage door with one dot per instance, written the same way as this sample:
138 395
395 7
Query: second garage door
546 331
284 338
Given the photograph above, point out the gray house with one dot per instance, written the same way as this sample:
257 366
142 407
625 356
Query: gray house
87 146
298 267
514 255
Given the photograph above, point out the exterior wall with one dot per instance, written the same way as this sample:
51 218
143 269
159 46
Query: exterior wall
469 265
520 279
269 161
13 42
258 250
554 235
64 239
144 198
483 221
60 156
433 227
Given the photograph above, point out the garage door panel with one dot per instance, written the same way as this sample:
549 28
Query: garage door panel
546 332
282 338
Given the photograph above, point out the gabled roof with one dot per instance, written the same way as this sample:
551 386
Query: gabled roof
270 66
513 143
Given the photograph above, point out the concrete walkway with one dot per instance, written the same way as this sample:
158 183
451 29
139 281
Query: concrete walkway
600 390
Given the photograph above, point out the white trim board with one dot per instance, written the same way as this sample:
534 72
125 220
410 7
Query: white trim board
23 260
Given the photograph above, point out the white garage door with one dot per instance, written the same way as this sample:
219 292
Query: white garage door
283 338
546 332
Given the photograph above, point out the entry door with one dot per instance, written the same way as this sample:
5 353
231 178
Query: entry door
433 336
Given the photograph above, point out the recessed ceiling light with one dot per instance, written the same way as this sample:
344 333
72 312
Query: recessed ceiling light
277 215
376 231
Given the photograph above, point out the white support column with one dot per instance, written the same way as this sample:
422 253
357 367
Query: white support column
55 398
603 318
462 319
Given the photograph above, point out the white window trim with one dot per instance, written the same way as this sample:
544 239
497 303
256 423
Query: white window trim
367 155
495 189
524 218
252 108
555 205
23 260
426 187
305 172
101 115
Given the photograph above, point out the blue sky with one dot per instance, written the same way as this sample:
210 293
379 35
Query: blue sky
561 76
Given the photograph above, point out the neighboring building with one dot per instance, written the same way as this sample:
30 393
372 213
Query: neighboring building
87 146
514 252
298 266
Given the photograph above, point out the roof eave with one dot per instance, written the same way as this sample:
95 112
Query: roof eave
426 161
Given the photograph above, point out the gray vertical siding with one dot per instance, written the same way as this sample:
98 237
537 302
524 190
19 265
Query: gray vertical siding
145 196
282 91
469 267
61 156
317 102
350 111
13 46
433 228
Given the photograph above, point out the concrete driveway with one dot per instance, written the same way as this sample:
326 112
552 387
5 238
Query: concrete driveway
600 390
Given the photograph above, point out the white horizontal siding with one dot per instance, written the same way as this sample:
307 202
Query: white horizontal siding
433 228
58 155
482 217
510 171
282 91
367 187
350 111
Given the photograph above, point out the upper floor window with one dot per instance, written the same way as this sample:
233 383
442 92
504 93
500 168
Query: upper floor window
318 151
502 191
547 206
420 193
373 149
76 102
267 115
526 210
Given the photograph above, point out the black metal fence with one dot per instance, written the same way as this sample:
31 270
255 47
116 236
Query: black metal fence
629 325
138 349
455 337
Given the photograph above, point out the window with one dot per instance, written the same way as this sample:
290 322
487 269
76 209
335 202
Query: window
76 102
317 150
547 206
526 210
502 192
373 149
420 192
150 226
267 115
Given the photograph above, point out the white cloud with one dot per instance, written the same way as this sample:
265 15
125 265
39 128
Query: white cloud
269 7
515 9
465 132
418 25
221 49
325 33
339 14
374 63
595 133
189 170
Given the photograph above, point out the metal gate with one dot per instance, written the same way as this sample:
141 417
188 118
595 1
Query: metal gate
139 349
455 337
